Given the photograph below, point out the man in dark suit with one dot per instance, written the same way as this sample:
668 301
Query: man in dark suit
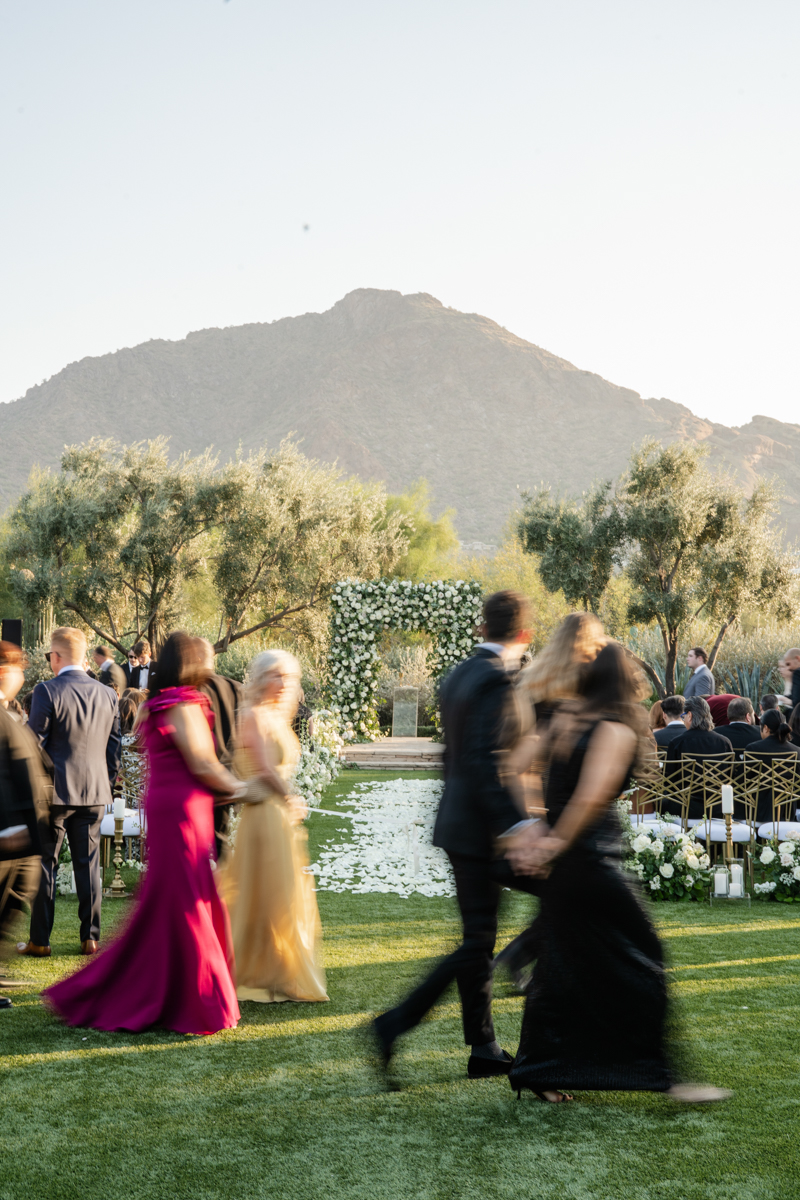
741 730
140 675
699 738
77 722
107 670
672 708
225 696
482 716
701 681
24 788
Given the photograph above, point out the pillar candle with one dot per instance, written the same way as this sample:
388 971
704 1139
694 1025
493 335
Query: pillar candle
119 808
720 883
737 880
727 799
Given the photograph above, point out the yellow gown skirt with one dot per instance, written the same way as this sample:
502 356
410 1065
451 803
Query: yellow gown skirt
273 908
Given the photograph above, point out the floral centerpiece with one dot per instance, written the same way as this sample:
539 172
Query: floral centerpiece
776 867
671 866
360 611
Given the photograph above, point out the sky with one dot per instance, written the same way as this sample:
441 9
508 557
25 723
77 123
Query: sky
618 182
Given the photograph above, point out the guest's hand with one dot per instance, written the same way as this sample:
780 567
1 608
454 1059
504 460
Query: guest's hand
536 856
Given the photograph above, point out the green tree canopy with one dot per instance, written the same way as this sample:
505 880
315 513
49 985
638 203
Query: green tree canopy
117 533
690 541
432 541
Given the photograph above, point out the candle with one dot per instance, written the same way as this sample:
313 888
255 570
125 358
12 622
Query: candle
737 880
727 799
721 883
119 808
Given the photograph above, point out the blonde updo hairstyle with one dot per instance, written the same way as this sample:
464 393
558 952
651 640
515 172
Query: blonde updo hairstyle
263 667
555 672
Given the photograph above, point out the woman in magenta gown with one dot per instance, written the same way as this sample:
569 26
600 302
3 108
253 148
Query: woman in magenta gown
171 967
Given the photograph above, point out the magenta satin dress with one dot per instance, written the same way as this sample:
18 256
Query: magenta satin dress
172 964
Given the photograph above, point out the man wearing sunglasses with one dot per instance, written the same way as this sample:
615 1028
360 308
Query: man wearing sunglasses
76 720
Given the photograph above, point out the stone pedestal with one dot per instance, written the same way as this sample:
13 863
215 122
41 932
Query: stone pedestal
404 712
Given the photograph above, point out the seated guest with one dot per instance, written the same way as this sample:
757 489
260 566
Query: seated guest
129 705
719 707
741 729
767 702
699 738
794 725
672 712
775 743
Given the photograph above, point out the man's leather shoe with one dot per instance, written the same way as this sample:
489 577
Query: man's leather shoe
90 946
486 1068
33 950
5 1002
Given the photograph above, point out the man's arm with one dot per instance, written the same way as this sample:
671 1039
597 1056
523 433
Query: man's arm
483 740
41 716
705 684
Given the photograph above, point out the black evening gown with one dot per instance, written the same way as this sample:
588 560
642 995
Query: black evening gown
596 1009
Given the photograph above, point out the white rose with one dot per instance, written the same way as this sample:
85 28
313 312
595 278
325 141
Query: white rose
787 860
692 861
667 870
642 842
655 884
657 848
767 855
787 847
705 861
796 872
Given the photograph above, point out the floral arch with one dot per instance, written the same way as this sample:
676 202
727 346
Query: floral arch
360 611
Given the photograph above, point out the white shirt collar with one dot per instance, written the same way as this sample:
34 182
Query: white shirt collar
677 721
71 667
694 672
495 647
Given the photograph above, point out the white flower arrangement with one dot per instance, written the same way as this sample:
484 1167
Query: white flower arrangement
672 865
777 867
360 611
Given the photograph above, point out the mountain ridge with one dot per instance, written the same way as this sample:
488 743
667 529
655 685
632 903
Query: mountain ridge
395 387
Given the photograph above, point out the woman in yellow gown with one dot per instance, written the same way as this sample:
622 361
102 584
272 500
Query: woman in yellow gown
274 915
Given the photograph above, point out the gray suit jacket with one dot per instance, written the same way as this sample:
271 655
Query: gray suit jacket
76 720
700 684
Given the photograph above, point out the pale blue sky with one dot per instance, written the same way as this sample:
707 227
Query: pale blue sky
615 181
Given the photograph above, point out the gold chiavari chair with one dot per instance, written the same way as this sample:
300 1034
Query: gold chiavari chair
713 772
772 783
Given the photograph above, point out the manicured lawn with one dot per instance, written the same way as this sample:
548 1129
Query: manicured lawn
287 1106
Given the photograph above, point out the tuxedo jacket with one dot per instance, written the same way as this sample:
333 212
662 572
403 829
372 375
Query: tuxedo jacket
136 674
24 785
742 736
76 720
479 712
701 683
225 697
698 741
668 734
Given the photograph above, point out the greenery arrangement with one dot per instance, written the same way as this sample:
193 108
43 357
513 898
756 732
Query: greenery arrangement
777 870
360 611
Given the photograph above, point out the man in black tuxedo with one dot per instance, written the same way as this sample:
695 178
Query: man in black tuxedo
224 696
140 675
76 720
482 716
672 708
24 802
741 730
699 738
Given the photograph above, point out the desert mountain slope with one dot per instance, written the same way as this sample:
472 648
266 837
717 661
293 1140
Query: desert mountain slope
395 387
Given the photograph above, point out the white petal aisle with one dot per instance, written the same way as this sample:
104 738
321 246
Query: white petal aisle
388 847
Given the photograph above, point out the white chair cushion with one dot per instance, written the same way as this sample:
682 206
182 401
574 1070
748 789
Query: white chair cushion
131 826
694 821
767 831
739 831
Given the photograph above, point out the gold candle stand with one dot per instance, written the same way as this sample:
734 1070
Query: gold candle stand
117 889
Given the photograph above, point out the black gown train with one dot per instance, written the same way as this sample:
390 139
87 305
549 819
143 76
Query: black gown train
596 1009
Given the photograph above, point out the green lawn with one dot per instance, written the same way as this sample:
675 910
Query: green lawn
286 1105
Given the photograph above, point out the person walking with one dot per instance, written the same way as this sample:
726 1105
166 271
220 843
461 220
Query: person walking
483 716
595 1014
225 697
171 967
24 788
76 720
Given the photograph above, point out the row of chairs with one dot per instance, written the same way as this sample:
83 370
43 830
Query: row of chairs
766 790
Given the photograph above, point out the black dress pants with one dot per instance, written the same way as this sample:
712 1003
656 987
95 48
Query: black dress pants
81 826
478 885
19 882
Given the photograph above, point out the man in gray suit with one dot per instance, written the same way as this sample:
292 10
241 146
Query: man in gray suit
701 681
77 722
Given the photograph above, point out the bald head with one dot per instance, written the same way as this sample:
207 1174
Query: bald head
792 658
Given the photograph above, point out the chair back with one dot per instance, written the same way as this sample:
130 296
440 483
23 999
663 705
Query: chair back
772 782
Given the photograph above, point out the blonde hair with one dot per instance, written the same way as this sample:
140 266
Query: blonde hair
266 664
71 641
554 673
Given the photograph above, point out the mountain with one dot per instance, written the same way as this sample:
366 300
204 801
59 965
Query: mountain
393 387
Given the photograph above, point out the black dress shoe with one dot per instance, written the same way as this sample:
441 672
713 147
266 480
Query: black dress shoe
5 1002
485 1068
383 1050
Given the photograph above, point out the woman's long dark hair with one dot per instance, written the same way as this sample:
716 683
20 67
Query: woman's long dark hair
614 687
776 725
179 664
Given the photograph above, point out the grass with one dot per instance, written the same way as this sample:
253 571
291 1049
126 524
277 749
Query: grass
286 1105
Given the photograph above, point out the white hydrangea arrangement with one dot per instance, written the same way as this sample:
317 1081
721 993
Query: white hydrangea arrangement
777 870
671 866
360 611
320 758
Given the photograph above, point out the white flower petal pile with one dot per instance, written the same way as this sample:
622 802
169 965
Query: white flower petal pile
389 848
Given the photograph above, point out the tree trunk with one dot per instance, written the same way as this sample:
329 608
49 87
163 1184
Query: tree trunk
672 654
649 672
726 624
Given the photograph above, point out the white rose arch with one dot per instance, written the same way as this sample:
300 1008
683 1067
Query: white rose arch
449 611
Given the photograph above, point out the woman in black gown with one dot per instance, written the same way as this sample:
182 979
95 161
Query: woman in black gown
596 1010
